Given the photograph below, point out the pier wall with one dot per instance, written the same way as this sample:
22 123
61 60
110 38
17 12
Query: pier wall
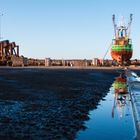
74 62
134 89
70 62
77 62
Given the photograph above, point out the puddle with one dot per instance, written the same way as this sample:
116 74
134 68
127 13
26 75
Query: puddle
113 119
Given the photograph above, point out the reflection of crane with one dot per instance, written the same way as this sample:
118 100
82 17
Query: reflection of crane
121 50
120 101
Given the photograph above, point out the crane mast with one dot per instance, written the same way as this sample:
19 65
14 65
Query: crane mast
113 19
129 25
122 30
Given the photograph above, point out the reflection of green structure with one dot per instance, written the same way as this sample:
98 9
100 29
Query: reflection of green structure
120 85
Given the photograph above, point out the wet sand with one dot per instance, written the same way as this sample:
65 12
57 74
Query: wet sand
49 104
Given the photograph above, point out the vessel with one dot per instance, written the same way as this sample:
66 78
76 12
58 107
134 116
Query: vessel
121 48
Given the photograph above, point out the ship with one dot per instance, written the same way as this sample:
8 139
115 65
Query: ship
121 48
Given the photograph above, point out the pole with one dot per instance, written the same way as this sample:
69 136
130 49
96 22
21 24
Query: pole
1 26
1 49
113 19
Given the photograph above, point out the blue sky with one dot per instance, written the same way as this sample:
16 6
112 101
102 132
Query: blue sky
67 28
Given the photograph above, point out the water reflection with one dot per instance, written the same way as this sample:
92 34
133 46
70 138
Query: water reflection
119 124
121 96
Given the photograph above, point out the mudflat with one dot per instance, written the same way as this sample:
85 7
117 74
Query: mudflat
49 104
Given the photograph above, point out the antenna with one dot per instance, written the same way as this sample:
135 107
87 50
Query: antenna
1 26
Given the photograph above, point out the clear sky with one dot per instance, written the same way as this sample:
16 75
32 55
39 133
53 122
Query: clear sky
67 28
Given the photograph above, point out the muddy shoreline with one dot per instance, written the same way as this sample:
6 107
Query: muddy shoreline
49 103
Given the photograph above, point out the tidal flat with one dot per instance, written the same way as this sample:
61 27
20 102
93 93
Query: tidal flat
49 104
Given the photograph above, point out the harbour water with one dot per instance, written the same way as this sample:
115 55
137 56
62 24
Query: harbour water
113 119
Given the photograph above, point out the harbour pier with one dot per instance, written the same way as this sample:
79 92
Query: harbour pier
133 81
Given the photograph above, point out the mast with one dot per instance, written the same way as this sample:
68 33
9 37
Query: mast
129 25
121 30
114 23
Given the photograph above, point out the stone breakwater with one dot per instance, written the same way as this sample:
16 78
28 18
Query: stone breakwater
49 104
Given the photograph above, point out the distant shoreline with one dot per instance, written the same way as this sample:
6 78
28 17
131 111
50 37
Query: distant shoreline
66 67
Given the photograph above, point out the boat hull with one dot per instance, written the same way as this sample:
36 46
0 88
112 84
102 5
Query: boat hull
121 53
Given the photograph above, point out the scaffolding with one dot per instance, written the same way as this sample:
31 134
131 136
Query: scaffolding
7 51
